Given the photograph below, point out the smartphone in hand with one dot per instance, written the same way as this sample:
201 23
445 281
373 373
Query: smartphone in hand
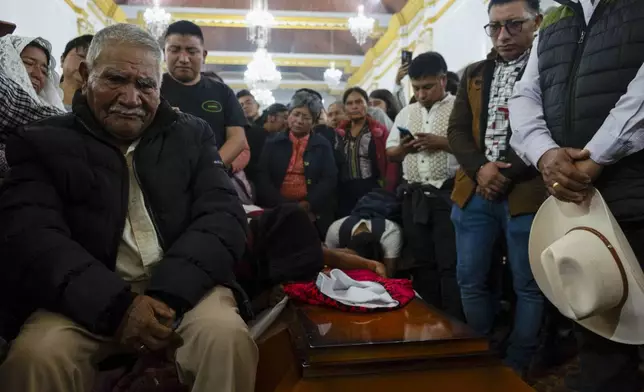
406 57
404 132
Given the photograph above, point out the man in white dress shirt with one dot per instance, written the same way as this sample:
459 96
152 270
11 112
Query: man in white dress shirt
419 140
577 116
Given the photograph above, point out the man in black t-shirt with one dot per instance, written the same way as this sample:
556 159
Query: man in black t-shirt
185 88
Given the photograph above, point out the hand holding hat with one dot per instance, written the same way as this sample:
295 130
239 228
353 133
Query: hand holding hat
589 167
585 266
563 179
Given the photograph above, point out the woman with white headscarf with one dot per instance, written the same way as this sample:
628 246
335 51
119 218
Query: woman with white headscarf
28 85
29 62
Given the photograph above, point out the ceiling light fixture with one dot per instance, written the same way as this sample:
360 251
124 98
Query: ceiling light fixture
332 76
361 26
259 21
156 20
262 73
264 98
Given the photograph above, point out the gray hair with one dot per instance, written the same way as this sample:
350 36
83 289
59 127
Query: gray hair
123 33
303 99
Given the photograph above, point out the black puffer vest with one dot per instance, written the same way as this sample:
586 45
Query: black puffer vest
584 69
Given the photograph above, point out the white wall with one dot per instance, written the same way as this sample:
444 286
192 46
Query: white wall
454 35
459 35
53 20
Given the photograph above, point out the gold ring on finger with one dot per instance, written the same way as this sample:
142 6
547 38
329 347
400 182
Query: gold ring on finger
555 185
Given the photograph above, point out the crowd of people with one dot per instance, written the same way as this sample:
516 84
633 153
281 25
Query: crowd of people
144 211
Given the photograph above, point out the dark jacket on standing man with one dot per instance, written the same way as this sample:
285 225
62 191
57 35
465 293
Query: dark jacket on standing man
466 133
63 210
583 71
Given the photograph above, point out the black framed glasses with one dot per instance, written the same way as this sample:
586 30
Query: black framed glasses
513 27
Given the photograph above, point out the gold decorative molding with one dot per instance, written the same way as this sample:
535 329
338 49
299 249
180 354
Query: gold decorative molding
111 10
105 11
394 62
283 62
281 22
440 13
94 10
84 27
375 54
77 10
387 43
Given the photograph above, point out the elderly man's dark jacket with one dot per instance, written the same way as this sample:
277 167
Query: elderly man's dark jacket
63 210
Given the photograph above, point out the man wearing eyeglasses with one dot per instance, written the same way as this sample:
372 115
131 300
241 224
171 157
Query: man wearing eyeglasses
495 193
577 115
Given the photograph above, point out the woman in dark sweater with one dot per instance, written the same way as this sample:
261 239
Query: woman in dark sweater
298 166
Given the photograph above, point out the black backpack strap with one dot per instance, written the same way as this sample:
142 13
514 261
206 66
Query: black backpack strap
346 228
378 226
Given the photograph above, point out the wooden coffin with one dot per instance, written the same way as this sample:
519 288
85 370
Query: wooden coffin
416 348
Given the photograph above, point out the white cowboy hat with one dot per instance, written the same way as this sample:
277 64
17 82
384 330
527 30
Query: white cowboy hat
584 265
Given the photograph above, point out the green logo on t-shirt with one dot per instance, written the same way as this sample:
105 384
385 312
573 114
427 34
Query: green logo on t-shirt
211 106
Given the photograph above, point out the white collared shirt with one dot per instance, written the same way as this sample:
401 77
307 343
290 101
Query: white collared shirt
435 167
589 8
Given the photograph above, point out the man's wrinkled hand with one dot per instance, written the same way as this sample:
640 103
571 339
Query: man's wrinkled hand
562 177
141 329
491 183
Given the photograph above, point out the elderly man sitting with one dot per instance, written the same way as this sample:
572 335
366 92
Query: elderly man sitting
120 231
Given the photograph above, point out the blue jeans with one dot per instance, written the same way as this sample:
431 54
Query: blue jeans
477 227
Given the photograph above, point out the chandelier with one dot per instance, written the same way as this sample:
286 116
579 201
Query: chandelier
264 98
259 21
361 26
262 74
156 20
332 76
